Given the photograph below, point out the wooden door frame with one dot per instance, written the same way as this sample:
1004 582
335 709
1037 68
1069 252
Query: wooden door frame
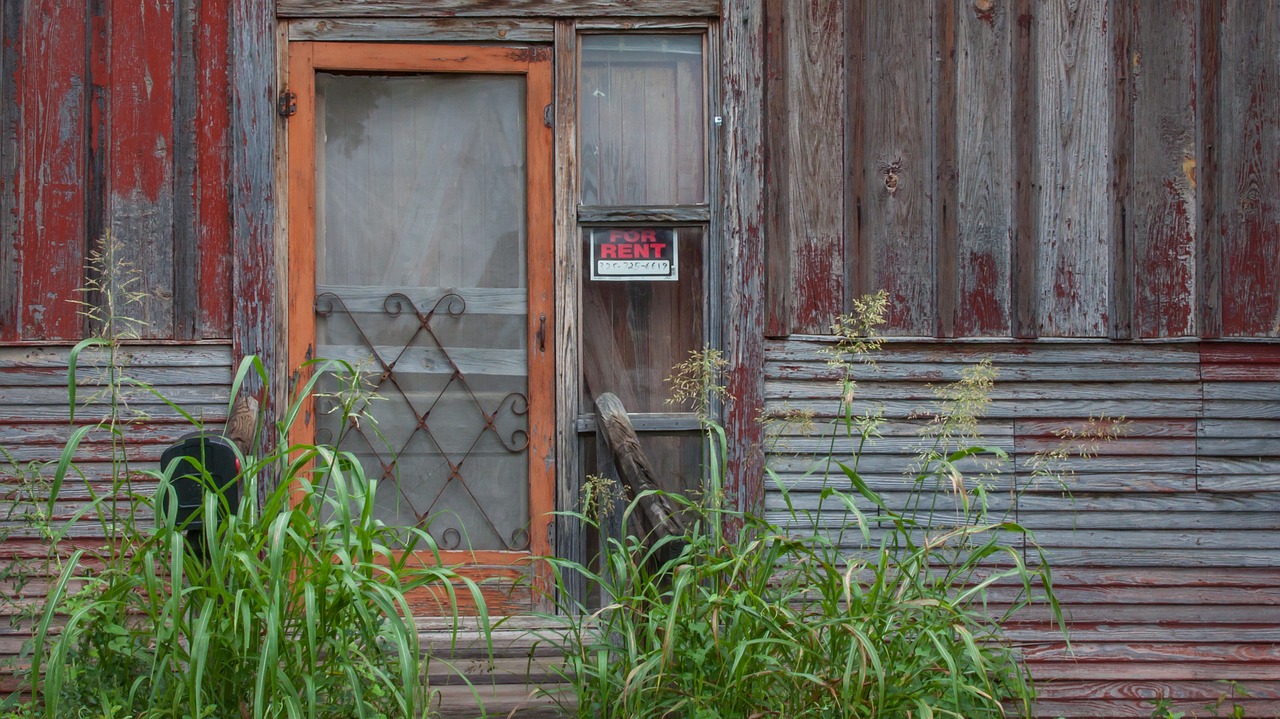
534 63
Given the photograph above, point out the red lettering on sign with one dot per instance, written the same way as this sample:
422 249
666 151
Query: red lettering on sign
608 251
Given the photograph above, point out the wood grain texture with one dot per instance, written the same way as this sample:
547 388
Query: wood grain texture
1163 220
807 121
983 174
1120 22
185 222
1024 261
742 209
683 214
52 91
1248 190
256 281
140 199
498 8
898 233
1073 168
1209 233
421 29
777 280
570 536
213 237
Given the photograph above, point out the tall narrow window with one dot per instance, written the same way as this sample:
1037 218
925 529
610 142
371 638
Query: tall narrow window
645 242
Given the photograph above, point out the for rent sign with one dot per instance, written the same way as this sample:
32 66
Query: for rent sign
634 253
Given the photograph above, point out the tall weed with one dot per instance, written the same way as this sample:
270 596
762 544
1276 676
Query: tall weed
293 605
884 613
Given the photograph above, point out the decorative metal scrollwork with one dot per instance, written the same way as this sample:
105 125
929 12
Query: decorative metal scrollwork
496 419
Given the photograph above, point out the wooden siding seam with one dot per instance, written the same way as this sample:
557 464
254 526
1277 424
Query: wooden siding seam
1121 170
855 284
1024 261
10 163
945 192
1208 62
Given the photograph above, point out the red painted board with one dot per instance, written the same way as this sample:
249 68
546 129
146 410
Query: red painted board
213 202
140 166
51 88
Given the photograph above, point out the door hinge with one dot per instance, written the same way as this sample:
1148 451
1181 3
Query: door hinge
548 115
287 104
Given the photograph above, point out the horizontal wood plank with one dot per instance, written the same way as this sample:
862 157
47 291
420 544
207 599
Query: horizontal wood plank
421 29
496 8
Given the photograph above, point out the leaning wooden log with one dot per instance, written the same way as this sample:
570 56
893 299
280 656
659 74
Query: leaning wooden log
656 515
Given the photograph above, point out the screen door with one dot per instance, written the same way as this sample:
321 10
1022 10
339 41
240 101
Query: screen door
421 254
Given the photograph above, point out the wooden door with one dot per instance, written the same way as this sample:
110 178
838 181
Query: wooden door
421 251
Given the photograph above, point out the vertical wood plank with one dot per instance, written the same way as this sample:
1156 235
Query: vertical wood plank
10 215
777 281
1026 197
570 536
1162 216
742 197
212 199
301 222
1209 256
1249 153
543 387
946 200
186 220
1075 115
898 174
1121 24
812 165
53 86
256 282
140 174
983 210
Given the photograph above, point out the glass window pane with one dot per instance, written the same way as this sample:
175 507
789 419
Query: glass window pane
641 119
635 332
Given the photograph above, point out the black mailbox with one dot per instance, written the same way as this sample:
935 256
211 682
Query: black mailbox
217 456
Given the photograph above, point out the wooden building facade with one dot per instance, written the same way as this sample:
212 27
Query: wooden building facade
1085 191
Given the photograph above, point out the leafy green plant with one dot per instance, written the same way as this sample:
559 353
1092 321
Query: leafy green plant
293 605
885 613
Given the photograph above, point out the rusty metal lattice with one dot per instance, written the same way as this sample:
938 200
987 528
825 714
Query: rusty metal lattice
388 384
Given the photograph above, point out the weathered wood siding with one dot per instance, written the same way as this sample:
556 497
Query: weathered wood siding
1088 192
34 427
1007 168
114 122
1165 544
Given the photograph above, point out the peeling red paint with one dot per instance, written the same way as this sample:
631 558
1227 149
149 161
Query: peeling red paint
51 130
818 281
984 290
1165 270
213 201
